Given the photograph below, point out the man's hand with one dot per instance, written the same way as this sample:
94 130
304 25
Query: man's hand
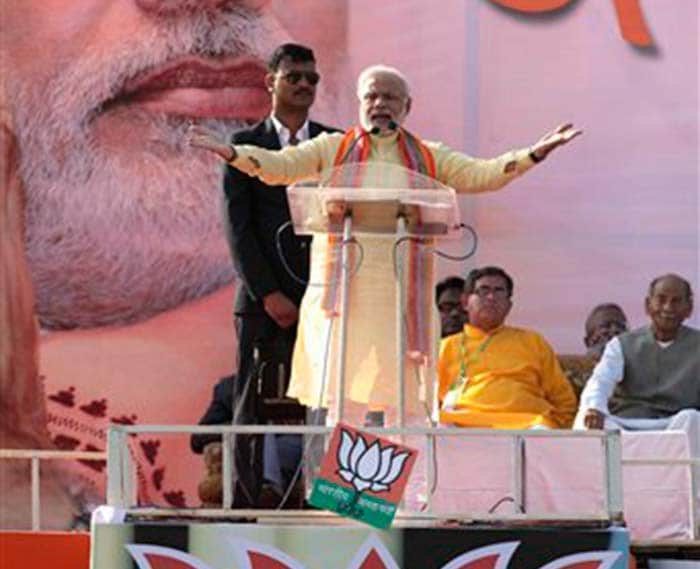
593 419
558 137
281 309
201 137
336 210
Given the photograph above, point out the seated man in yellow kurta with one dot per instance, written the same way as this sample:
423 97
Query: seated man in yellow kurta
385 102
497 376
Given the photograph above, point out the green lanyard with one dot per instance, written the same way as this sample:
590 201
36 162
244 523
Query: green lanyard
464 360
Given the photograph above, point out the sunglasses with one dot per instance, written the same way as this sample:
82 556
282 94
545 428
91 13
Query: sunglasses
293 77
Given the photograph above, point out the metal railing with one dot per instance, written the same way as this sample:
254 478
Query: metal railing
693 464
122 491
35 456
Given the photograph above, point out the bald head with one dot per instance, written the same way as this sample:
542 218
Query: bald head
674 279
668 303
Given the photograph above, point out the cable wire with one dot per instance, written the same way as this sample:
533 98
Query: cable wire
297 278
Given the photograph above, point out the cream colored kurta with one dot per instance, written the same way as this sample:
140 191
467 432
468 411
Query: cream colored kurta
371 361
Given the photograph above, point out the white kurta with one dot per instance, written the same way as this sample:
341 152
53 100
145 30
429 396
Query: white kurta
371 372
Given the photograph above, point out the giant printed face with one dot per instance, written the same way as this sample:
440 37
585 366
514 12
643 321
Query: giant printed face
122 217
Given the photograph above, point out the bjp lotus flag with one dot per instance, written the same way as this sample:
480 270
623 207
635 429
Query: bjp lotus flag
363 476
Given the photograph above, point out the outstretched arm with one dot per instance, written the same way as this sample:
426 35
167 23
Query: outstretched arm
274 167
467 174
201 137
560 136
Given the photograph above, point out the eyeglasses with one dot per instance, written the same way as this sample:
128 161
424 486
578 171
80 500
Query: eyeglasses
293 77
498 292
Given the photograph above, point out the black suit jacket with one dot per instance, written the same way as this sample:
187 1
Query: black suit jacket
255 211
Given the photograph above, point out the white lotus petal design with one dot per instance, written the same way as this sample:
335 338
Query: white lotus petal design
385 463
147 556
368 465
346 475
605 559
373 467
500 554
358 449
344 450
396 467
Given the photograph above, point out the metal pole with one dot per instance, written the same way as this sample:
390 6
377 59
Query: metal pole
400 328
613 474
693 512
114 472
430 458
344 302
519 474
36 506
226 470
128 473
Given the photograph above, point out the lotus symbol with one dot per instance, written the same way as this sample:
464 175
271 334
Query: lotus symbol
368 467
372 553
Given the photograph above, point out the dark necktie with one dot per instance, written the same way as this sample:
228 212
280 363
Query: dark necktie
293 140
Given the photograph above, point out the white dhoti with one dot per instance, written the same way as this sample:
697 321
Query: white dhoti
371 357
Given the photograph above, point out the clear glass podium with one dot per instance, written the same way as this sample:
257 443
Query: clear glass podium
374 196
378 224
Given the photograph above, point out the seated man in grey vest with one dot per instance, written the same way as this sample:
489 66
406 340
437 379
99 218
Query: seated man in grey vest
656 369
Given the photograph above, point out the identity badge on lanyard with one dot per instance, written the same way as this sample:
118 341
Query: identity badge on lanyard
449 402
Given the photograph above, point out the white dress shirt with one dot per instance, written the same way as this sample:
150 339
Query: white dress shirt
284 134
607 374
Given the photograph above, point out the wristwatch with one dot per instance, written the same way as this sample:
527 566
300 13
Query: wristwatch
531 154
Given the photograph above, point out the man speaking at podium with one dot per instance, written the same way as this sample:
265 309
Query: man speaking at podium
371 367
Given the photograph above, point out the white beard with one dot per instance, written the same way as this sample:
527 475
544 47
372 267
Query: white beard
114 238
113 241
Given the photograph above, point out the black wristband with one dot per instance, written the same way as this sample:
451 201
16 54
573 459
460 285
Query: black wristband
534 157
233 153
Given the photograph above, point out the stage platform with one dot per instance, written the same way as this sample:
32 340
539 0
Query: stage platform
312 543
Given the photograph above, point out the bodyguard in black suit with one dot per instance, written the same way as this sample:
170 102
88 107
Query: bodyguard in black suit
267 302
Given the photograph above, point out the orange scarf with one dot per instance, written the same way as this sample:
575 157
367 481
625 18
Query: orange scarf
354 148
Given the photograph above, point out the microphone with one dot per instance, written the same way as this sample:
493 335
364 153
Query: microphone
392 125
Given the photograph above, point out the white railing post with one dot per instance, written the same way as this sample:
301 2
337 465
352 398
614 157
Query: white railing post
692 466
36 504
431 483
612 474
519 474
115 493
227 442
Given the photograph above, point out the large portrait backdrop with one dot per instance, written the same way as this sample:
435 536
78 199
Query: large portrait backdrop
111 225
